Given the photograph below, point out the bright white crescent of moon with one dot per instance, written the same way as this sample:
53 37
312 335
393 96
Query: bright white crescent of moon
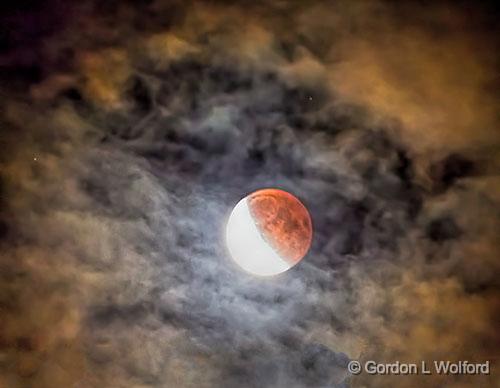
247 247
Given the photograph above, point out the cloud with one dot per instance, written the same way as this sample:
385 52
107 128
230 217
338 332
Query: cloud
122 166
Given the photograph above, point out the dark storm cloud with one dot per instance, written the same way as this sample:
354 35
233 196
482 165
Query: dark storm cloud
121 167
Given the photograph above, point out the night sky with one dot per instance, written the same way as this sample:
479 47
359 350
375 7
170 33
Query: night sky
130 129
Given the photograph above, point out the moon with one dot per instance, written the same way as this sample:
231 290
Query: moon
268 232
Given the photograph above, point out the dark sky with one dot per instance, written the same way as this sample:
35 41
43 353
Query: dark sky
129 130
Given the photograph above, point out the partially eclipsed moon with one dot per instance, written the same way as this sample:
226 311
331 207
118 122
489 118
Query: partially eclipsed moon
268 232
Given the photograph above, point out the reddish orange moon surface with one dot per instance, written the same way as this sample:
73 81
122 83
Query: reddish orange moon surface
269 231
